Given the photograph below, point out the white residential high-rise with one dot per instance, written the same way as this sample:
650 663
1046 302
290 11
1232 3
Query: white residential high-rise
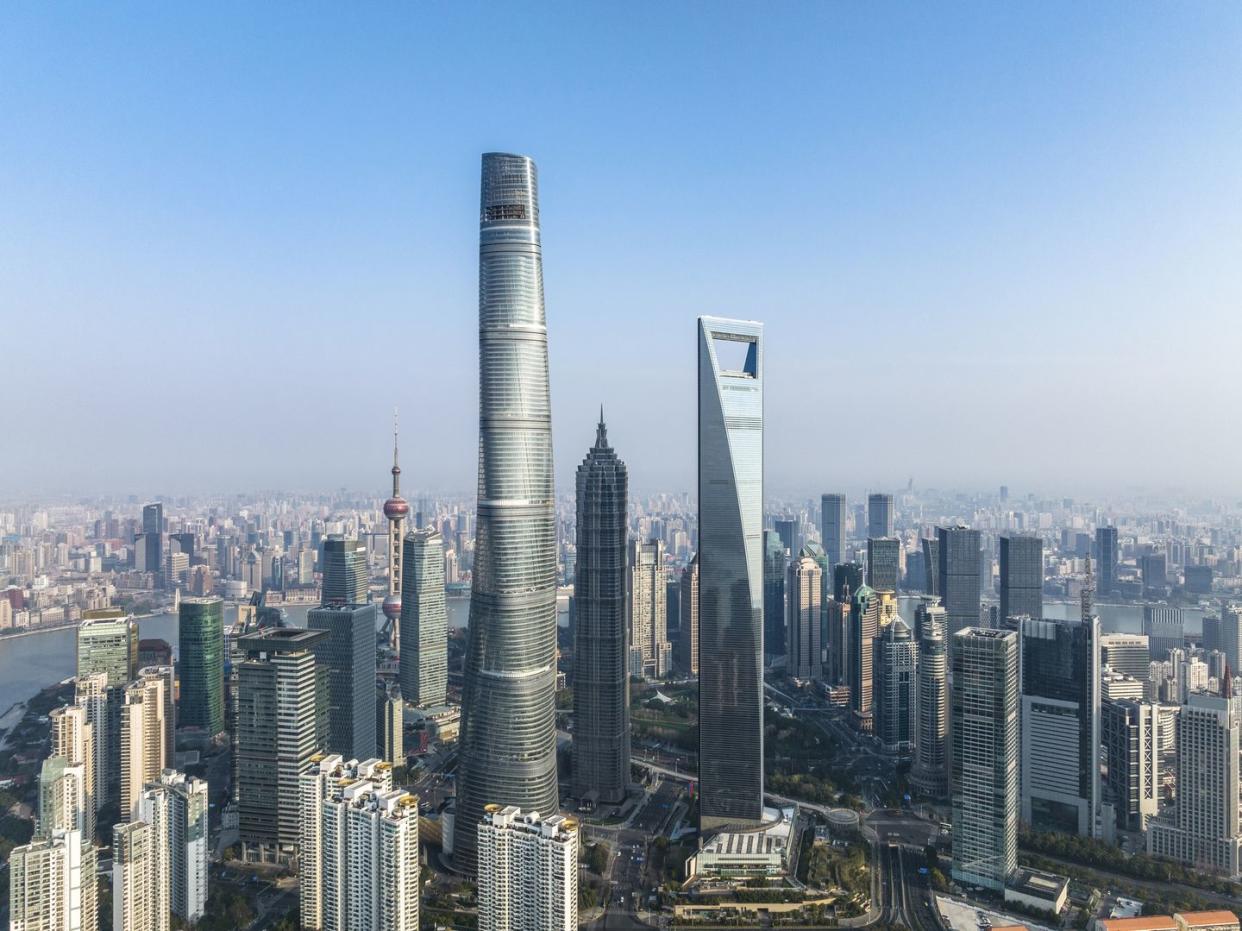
359 848
528 871
142 739
73 737
650 652
1206 830
984 755
52 884
177 808
64 801
139 889
169 676
91 693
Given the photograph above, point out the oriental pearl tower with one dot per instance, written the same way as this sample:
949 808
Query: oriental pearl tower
395 509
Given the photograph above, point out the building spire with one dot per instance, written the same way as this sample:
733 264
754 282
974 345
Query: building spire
601 432
396 469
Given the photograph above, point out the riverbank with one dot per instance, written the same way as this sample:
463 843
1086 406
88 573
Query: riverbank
9 721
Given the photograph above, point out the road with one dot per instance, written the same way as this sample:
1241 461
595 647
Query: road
623 879
905 894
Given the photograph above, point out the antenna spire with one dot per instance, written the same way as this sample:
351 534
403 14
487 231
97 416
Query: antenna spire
396 469
601 432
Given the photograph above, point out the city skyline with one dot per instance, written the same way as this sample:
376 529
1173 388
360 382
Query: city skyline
979 223
741 666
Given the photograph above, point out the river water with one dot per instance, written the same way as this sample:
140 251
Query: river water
35 661
30 663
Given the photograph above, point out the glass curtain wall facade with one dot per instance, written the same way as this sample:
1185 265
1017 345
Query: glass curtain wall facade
958 561
508 728
424 620
348 656
200 631
730 370
832 528
1021 577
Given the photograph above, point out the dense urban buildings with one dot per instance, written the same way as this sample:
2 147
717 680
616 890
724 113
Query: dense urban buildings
52 884
1164 628
775 563
601 746
730 426
344 571
1060 719
347 657
1130 732
987 690
804 587
359 849
424 620
64 803
139 893
143 740
647 595
1126 653
528 871
1021 576
73 741
930 771
108 643
879 515
201 638
688 632
177 805
282 724
896 688
883 563
92 694
508 727
983 755
1206 827
832 528
957 555
931 564
865 620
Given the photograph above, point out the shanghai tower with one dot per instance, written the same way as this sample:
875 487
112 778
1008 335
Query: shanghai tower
508 726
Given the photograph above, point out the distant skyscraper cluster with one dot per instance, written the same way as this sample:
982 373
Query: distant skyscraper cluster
933 643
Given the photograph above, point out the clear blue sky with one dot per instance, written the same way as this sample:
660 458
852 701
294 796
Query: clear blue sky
991 242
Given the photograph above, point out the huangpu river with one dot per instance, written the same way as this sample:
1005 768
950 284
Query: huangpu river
32 662
39 659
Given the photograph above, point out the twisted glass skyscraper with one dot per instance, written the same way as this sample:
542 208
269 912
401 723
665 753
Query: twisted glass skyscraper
508 728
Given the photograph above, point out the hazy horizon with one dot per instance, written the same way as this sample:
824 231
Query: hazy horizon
990 245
